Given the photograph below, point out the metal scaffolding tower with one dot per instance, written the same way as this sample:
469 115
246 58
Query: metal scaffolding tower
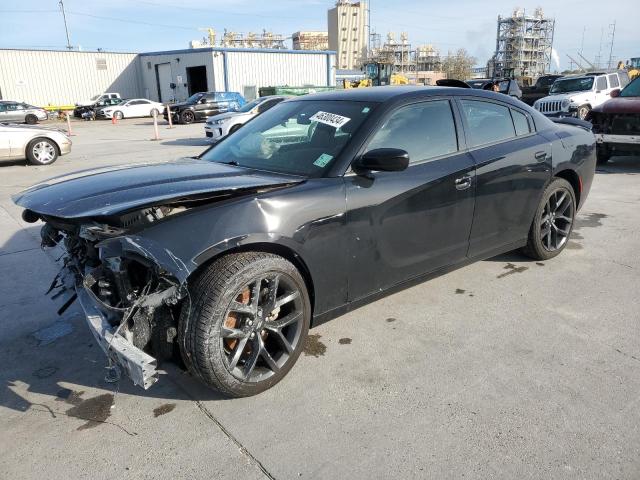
523 45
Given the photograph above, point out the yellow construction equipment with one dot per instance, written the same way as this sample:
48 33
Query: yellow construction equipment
378 74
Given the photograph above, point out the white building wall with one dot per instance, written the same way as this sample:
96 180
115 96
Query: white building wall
43 77
265 69
179 60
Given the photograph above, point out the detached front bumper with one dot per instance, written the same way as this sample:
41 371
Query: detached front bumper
138 365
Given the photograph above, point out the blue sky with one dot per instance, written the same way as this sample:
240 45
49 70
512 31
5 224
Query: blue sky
146 25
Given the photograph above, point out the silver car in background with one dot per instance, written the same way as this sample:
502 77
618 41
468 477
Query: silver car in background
223 124
20 112
41 146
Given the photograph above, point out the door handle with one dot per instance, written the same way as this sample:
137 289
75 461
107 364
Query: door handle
463 183
541 156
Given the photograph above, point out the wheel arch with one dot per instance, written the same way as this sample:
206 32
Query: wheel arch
38 137
573 178
279 249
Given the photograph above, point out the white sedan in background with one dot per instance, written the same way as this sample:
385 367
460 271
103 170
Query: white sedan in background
223 124
131 108
41 146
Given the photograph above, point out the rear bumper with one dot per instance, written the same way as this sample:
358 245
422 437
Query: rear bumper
138 365
619 139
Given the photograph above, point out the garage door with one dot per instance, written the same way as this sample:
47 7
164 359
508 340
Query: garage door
163 78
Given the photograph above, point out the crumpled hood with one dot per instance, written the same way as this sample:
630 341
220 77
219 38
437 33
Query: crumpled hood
113 190
620 105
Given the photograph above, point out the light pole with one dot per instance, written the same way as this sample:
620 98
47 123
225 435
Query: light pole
64 17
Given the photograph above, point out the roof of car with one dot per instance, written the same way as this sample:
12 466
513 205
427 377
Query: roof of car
383 94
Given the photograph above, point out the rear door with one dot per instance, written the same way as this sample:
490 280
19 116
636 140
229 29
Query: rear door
513 164
405 224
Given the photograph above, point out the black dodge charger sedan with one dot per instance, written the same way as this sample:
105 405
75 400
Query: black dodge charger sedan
320 205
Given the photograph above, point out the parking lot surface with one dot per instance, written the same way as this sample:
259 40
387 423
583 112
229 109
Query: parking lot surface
508 368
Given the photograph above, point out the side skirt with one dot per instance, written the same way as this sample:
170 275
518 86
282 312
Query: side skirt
348 307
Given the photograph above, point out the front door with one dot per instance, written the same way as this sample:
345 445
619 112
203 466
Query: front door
404 224
513 163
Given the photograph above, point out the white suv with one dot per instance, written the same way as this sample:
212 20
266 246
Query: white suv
576 96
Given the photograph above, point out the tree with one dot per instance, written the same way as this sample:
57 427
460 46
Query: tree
458 65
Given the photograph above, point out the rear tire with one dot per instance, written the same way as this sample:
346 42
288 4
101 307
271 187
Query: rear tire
42 151
553 221
31 119
245 322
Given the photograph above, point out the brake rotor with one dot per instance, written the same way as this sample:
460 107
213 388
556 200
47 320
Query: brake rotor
233 318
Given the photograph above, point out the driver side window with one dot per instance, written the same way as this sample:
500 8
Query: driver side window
425 130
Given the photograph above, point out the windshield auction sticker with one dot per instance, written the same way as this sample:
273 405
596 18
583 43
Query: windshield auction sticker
331 119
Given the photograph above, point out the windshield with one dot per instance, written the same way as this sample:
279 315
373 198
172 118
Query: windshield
195 97
251 105
631 90
572 85
297 137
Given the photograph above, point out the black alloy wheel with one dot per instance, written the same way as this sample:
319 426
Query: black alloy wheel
556 220
264 322
245 322
553 222
187 116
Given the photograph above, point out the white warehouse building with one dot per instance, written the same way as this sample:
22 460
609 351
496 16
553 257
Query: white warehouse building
46 77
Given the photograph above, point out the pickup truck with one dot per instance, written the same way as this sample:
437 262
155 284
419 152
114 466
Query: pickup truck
539 90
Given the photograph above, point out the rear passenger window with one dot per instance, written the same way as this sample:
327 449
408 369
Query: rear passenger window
487 122
613 81
601 83
521 123
425 130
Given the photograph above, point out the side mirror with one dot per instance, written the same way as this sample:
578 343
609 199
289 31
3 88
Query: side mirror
202 100
615 93
382 160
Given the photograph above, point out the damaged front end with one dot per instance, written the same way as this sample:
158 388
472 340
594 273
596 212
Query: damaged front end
129 288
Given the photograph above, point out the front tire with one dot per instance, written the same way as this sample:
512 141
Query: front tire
553 222
31 119
187 117
154 112
118 115
42 151
244 324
